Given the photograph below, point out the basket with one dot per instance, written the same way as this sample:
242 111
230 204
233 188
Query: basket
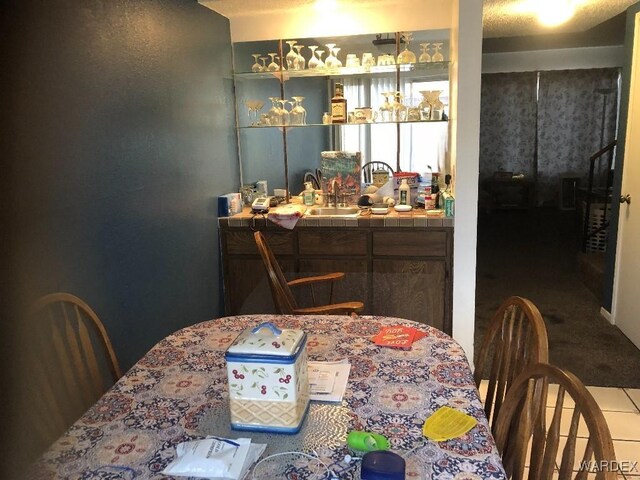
597 242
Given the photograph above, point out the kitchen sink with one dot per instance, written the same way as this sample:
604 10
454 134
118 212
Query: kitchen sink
333 211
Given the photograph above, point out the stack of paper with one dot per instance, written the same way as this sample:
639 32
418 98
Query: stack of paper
328 380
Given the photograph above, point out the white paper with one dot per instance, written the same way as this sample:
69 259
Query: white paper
328 380
215 458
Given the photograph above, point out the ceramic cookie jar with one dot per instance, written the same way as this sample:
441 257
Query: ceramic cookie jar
268 380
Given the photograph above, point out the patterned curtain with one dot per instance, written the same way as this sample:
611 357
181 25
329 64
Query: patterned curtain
508 123
571 126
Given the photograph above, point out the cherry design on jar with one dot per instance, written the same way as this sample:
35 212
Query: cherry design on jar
237 376
286 379
276 344
263 390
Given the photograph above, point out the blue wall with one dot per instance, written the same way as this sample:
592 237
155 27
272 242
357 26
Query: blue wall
121 138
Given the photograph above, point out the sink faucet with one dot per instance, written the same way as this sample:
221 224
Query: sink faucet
335 188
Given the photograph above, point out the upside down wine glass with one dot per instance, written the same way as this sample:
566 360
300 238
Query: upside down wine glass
256 67
313 61
298 115
291 57
424 56
437 55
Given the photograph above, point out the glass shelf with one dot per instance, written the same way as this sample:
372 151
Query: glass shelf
417 69
354 124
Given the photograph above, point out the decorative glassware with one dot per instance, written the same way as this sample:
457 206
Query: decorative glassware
424 56
256 67
273 66
264 63
274 114
291 56
352 60
431 108
313 61
425 106
399 112
437 54
254 107
300 62
330 61
321 64
386 108
367 60
337 63
406 56
284 113
298 115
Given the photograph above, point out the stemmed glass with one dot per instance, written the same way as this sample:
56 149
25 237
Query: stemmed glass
273 66
300 61
399 110
275 117
256 67
329 62
313 61
284 113
337 63
264 63
386 108
406 56
298 114
254 107
291 56
321 64
424 56
437 55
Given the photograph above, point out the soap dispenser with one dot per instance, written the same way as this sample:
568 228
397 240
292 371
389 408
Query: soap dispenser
404 195
309 194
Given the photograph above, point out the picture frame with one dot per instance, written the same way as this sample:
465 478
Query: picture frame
344 168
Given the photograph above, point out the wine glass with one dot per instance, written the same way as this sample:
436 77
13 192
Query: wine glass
337 63
300 61
274 112
406 56
321 64
313 61
284 113
264 63
437 55
386 108
298 115
256 67
291 56
424 56
273 66
399 109
329 62
367 60
254 107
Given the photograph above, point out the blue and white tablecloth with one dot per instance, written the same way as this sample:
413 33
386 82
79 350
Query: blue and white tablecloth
131 432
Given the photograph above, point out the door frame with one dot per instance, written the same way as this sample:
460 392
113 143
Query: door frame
612 239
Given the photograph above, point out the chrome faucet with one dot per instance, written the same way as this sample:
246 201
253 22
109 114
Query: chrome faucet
335 187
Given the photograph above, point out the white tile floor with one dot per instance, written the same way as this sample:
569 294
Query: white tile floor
621 408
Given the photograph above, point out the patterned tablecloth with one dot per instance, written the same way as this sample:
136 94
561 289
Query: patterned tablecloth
178 390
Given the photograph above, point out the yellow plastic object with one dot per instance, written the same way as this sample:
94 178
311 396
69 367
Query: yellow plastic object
447 423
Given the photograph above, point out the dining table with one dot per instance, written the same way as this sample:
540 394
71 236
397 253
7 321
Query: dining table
178 392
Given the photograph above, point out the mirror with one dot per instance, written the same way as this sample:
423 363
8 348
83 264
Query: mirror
263 149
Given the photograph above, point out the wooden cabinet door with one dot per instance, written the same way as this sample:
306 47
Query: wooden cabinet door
353 287
411 289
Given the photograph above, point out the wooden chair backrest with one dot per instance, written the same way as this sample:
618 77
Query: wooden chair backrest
516 337
524 437
283 299
71 363
369 167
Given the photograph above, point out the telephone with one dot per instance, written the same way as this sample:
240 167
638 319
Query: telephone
262 204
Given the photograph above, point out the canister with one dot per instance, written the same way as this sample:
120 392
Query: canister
268 379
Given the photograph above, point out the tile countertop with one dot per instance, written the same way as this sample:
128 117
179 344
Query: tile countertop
414 218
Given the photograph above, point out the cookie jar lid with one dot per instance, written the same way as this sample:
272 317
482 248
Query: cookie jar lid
267 340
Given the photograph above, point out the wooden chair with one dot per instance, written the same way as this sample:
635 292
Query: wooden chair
525 438
281 292
370 167
516 337
71 363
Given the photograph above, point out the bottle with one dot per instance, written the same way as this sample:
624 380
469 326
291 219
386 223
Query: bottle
309 194
338 106
435 189
404 195
448 202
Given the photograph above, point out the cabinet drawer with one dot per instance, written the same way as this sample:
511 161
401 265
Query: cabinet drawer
410 243
240 242
332 242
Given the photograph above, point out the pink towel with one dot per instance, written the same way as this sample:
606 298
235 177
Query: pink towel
287 215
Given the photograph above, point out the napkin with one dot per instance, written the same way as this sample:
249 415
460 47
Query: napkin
215 458
287 215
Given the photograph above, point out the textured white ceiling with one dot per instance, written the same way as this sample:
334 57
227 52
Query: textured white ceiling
502 18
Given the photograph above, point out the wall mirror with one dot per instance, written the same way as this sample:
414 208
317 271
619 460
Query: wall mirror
280 79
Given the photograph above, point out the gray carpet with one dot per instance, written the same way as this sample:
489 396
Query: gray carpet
533 254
